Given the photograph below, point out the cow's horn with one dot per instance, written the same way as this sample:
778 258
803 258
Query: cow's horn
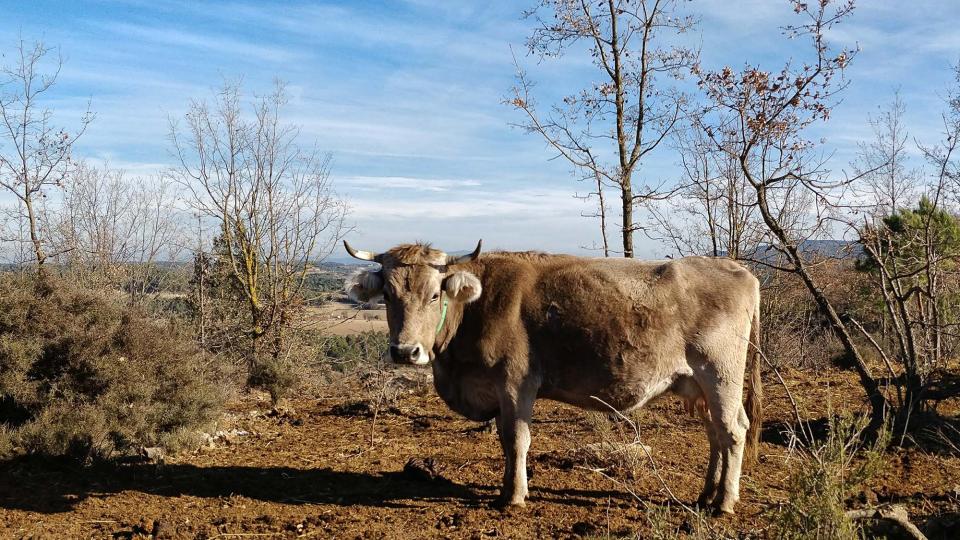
465 258
359 253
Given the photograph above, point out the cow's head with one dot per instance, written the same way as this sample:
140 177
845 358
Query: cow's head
419 285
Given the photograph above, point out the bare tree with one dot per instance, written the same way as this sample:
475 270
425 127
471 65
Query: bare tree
759 118
714 212
606 130
914 256
35 155
271 200
942 156
113 231
883 162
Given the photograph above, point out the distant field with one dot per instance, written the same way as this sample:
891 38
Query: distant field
342 319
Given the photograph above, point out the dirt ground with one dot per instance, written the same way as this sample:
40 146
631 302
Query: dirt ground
337 467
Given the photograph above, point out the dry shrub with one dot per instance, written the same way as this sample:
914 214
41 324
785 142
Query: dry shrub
829 472
82 375
617 452
794 332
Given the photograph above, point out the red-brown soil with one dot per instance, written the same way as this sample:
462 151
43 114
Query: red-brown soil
328 470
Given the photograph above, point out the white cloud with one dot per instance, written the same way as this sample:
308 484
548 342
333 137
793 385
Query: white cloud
381 183
468 203
522 219
208 42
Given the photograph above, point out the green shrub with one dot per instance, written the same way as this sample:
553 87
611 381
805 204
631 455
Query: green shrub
83 375
348 352
275 375
828 473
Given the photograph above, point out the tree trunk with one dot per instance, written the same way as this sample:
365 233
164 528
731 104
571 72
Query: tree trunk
626 198
603 216
38 252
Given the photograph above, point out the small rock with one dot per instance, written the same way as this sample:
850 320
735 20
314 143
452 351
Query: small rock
583 528
356 408
282 410
153 453
423 469
450 521
209 440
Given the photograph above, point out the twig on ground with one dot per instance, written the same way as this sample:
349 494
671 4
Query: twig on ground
895 513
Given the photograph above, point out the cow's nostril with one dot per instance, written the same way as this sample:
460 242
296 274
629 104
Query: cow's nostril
415 352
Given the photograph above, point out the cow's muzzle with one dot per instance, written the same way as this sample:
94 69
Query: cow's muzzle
414 354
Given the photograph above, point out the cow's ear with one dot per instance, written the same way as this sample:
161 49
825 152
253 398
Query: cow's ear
463 286
364 286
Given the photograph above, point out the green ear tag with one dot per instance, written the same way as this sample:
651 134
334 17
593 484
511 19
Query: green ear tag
443 315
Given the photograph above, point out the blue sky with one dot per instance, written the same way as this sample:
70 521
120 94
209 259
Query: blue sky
407 95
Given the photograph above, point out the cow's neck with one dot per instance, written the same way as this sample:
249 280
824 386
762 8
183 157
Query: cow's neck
448 329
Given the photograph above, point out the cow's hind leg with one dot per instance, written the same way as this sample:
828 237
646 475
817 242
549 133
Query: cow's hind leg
729 426
513 427
695 402
712 478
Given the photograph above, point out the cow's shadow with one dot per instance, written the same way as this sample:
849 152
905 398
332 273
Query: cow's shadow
50 486
53 486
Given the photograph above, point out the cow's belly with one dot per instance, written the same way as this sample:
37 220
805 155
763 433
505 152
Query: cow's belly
603 385
466 391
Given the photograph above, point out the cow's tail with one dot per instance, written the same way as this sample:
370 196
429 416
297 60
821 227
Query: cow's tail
754 404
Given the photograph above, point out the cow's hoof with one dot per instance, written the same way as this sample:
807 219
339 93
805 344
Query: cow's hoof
508 505
724 509
705 500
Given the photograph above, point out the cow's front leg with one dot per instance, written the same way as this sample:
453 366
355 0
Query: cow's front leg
513 427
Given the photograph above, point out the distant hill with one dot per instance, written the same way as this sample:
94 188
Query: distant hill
815 249
836 249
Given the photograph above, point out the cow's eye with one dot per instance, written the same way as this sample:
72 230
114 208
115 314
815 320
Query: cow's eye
436 296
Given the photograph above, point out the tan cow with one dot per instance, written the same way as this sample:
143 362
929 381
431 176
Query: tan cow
504 329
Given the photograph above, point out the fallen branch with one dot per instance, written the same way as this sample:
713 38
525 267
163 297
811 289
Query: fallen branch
894 513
